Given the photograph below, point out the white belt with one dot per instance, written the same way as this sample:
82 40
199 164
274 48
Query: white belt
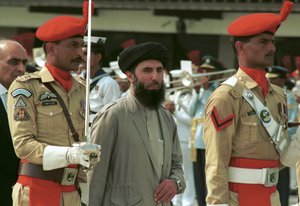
265 176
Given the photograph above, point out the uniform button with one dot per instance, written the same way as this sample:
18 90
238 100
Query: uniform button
70 113
271 142
254 124
51 114
240 78
33 126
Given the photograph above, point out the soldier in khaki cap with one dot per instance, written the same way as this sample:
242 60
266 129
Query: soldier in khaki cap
245 120
46 116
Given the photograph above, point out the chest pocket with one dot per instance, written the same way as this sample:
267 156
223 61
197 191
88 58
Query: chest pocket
248 129
49 118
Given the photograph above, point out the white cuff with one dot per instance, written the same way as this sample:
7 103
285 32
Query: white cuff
218 205
55 157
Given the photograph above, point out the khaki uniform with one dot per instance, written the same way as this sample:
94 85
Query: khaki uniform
244 137
36 119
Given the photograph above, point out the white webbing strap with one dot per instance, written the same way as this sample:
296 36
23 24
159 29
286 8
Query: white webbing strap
265 176
262 113
268 121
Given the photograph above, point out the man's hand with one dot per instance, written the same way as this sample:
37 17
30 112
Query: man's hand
165 191
86 154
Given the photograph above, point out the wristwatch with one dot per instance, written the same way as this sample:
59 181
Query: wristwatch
178 184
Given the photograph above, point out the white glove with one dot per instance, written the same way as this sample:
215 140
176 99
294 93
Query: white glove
85 154
292 154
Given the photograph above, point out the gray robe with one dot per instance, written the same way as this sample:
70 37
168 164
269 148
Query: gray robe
126 173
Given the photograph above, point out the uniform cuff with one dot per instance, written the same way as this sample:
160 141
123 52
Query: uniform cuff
55 157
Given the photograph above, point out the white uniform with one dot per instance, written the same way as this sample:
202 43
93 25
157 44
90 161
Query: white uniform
183 121
105 91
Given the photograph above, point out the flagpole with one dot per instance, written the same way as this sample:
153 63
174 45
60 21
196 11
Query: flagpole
88 64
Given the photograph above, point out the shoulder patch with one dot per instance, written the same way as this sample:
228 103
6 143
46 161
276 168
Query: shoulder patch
21 114
21 91
20 103
220 123
28 76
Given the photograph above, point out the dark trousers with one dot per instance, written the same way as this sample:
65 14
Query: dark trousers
199 175
283 186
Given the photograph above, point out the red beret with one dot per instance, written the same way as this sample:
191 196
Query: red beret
63 27
254 24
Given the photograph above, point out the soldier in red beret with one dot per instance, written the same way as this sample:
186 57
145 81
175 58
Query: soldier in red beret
245 120
46 116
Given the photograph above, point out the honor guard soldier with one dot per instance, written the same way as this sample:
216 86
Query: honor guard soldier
103 88
46 117
245 128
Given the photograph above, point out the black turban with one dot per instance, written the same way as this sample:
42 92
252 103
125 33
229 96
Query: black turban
133 55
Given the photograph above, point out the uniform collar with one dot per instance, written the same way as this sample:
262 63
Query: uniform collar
46 76
3 90
99 73
248 81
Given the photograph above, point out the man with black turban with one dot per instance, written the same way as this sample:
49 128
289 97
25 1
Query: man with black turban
142 161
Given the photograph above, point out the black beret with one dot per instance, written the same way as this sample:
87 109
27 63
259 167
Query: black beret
133 55
212 63
276 71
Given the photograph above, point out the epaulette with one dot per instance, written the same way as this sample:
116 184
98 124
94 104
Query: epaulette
80 79
237 87
28 76
278 90
237 90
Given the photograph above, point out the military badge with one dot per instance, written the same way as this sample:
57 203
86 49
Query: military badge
265 116
49 103
47 96
47 99
21 91
21 114
220 123
20 103
249 95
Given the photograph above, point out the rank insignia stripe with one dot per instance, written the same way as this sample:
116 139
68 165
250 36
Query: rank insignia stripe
21 114
21 91
220 123
20 103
